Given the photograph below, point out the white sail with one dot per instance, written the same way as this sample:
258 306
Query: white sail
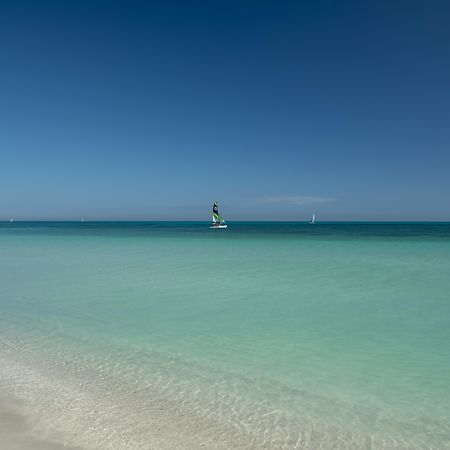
313 218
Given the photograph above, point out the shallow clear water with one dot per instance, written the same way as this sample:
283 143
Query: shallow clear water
276 334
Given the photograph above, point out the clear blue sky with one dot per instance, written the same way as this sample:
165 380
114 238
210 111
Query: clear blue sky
153 110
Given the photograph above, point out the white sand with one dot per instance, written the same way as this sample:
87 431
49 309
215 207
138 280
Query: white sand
16 430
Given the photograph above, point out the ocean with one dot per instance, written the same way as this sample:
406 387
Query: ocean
135 335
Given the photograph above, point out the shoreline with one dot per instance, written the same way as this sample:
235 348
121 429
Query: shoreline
50 405
80 415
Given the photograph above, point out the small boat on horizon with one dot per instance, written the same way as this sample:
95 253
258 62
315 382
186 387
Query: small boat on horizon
218 220
313 219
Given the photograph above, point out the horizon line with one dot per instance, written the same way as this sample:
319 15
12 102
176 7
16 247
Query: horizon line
208 221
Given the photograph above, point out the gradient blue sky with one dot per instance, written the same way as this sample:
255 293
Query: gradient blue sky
153 110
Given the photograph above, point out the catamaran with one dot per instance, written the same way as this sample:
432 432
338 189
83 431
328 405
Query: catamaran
218 220
313 219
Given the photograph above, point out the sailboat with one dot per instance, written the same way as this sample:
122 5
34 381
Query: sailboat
313 219
218 220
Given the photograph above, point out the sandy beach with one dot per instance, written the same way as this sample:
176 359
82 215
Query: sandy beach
43 407
17 429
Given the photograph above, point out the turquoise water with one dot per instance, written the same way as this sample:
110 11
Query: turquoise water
278 335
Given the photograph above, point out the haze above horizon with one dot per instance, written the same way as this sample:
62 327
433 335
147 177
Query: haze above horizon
277 110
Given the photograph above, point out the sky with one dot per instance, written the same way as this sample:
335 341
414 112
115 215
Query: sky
153 110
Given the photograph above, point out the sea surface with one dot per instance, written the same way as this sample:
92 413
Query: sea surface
135 335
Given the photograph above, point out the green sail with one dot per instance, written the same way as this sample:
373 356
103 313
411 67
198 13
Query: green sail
216 216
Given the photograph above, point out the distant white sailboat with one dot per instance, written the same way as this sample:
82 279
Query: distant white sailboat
313 219
11 220
218 220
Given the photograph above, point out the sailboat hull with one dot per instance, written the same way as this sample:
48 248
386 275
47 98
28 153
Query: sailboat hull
218 226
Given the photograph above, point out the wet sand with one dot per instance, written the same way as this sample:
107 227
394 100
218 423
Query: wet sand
16 430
